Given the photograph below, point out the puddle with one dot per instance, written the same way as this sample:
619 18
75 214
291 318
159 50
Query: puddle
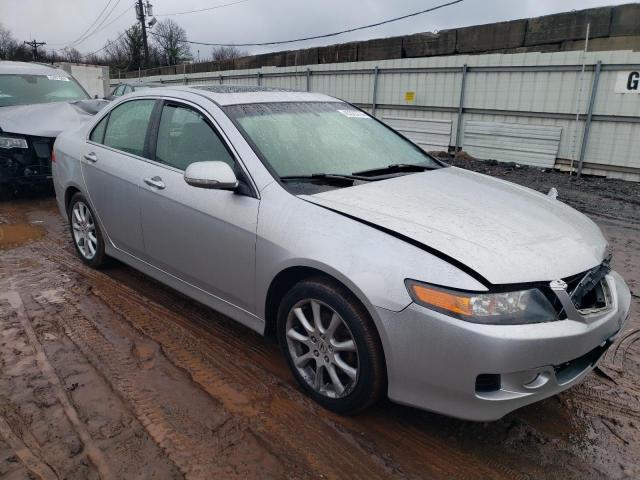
15 234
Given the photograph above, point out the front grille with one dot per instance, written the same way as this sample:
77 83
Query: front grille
594 298
24 165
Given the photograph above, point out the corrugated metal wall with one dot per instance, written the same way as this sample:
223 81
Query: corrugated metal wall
530 89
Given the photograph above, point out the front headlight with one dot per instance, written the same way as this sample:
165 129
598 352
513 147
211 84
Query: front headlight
13 142
508 308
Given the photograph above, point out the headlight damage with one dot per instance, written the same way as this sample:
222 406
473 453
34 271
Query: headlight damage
507 308
13 142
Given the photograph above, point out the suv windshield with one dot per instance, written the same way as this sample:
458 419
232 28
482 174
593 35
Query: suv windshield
300 139
28 89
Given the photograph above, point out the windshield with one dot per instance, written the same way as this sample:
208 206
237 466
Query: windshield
29 89
309 138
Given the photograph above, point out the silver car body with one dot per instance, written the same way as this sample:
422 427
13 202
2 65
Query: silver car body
447 227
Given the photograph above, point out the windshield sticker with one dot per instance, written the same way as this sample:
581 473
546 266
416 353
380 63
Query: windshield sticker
354 114
60 78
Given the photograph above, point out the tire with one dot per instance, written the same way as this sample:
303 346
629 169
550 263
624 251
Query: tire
90 248
327 346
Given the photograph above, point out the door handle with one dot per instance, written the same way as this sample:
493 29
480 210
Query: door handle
91 157
155 182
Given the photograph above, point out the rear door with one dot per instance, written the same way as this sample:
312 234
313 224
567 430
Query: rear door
204 237
111 165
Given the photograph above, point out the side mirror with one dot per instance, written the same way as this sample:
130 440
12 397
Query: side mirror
215 175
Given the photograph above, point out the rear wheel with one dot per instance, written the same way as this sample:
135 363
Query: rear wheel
85 232
331 346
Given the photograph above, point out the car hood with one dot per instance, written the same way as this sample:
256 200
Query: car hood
502 231
47 119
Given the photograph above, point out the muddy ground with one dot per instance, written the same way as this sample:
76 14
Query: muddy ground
111 375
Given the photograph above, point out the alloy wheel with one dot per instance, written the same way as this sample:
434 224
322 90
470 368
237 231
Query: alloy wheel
84 230
322 348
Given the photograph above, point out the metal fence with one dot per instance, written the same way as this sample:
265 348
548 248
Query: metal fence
545 109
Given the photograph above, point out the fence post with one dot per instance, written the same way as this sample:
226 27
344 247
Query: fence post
220 79
461 107
308 78
374 99
587 125
259 75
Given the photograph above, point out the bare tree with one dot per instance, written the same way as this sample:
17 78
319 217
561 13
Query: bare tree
171 40
126 51
72 55
227 53
10 48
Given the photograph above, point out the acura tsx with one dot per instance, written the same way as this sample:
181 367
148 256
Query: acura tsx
379 269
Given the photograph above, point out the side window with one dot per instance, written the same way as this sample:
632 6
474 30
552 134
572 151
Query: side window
184 137
127 127
97 134
127 89
118 91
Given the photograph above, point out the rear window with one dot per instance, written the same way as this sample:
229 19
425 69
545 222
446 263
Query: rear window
127 126
30 89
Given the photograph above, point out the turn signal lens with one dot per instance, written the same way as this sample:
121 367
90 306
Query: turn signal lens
441 299
503 308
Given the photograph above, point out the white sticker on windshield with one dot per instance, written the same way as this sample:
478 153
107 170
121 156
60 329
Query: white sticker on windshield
60 78
354 114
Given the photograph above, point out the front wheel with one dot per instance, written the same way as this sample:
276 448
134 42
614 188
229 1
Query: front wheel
85 232
331 346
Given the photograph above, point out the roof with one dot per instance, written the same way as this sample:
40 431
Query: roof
138 83
225 95
27 68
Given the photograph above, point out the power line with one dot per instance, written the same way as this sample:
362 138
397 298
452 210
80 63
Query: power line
106 45
118 17
201 10
97 28
326 35
90 26
127 10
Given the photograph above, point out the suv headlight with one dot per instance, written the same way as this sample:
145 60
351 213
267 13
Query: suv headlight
13 142
508 308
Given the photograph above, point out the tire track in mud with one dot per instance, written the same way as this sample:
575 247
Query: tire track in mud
120 370
94 454
272 409
29 459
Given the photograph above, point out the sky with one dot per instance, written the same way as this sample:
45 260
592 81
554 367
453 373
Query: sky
61 22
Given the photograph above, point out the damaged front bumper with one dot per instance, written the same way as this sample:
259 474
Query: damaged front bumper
482 372
26 166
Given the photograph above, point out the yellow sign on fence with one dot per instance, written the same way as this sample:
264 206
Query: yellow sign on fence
409 97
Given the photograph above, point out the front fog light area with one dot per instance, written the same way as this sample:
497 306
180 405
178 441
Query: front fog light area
505 308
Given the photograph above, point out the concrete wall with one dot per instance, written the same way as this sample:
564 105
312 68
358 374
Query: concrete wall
93 78
535 89
612 28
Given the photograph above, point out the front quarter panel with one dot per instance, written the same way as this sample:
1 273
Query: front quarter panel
66 169
373 264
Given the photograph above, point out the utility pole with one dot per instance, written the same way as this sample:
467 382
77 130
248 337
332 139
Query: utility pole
34 48
140 12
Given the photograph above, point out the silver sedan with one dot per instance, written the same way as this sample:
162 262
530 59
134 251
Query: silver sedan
381 270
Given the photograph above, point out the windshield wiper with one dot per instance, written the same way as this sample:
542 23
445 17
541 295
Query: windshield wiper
325 177
393 169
